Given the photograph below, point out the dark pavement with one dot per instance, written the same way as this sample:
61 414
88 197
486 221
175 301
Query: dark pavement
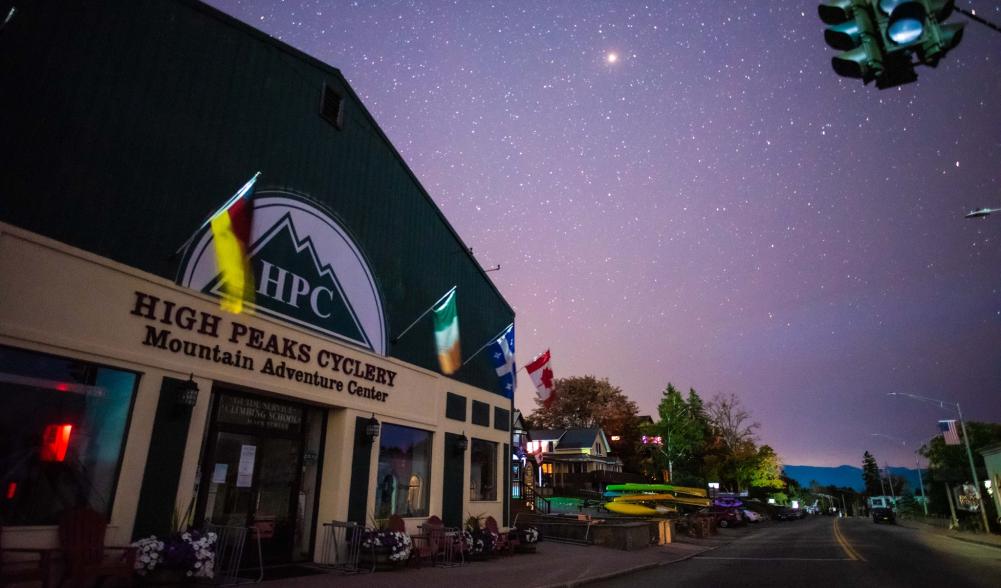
827 551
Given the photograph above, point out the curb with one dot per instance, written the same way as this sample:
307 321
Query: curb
944 533
975 541
625 571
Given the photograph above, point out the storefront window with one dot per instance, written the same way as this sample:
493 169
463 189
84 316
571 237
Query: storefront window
483 470
404 468
62 430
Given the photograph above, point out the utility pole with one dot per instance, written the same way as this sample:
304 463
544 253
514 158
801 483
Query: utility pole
889 480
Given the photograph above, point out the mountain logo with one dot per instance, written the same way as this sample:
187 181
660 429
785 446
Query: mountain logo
307 271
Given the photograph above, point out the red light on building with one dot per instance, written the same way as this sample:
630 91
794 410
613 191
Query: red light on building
63 387
55 442
11 490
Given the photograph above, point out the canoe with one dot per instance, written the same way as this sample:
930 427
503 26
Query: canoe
657 488
633 498
630 509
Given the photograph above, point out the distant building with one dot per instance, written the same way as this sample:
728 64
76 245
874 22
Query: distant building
992 459
573 458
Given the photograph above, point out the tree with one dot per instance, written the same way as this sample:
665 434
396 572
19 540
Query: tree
730 422
586 402
949 466
870 474
680 432
767 472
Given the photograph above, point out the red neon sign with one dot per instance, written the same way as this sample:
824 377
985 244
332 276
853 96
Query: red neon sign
55 442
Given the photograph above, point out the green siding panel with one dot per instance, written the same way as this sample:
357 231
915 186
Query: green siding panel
163 463
453 481
361 463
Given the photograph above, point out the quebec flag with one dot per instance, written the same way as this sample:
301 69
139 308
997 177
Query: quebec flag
502 354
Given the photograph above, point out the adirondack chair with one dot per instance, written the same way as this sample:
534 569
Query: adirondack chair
81 534
396 523
25 570
431 545
503 543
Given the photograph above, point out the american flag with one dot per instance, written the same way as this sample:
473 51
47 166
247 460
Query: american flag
949 432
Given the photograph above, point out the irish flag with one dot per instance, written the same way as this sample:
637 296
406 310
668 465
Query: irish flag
231 235
446 334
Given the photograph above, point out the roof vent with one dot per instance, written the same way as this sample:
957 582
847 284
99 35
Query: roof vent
332 107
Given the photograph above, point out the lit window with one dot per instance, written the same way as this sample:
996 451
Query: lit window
404 465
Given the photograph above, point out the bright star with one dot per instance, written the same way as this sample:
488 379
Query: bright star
612 57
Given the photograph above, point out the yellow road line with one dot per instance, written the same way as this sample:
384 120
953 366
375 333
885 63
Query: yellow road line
843 542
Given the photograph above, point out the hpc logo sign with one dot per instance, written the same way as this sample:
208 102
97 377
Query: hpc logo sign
307 271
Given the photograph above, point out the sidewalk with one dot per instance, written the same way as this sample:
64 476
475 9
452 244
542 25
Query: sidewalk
553 565
991 540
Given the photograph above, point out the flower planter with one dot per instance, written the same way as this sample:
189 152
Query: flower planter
385 548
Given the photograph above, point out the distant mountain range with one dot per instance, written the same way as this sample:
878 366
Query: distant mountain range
843 476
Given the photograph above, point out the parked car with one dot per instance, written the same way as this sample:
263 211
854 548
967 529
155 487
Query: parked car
726 517
786 514
751 516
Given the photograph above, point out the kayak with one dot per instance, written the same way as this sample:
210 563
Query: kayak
630 509
657 488
631 498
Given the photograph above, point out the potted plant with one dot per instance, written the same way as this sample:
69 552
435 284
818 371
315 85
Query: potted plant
386 546
528 537
178 557
479 540
181 556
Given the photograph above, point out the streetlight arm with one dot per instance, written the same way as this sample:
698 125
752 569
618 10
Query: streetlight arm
940 403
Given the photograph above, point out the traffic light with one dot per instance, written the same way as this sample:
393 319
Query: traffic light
883 40
853 32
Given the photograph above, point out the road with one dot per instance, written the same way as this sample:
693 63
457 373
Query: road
827 551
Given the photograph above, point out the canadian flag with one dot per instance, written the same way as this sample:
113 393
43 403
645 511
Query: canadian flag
541 373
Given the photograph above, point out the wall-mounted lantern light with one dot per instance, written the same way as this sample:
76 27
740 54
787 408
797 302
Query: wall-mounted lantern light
462 443
372 429
187 393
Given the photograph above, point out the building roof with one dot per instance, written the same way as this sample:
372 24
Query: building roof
569 438
990 449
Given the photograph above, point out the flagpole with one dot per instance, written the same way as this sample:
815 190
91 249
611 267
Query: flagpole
397 338
487 344
228 203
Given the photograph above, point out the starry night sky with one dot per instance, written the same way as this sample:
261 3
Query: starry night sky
712 207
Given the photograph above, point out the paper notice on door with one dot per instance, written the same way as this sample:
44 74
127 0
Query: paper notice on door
245 473
219 473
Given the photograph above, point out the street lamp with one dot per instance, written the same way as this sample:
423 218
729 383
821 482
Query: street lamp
981 212
966 441
924 497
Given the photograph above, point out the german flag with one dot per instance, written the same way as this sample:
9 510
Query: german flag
231 227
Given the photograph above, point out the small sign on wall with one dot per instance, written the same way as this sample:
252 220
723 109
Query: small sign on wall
245 473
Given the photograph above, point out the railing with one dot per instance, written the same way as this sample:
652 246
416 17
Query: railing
557 528
542 505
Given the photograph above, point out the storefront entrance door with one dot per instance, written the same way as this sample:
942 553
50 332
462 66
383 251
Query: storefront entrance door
255 478
252 474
